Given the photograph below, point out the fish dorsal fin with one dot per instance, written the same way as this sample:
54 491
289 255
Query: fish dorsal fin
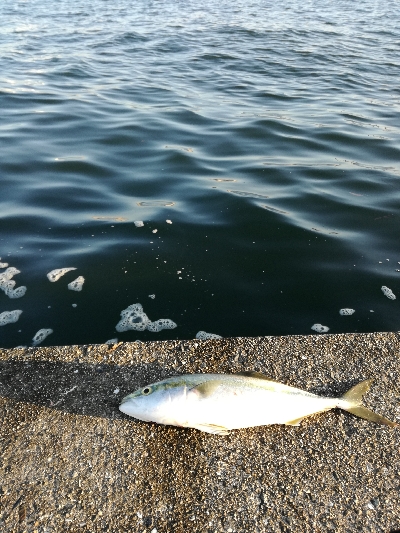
253 374
207 388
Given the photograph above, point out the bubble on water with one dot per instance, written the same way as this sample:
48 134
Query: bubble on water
133 317
41 335
203 335
7 284
56 274
77 284
74 305
346 311
319 328
139 223
168 221
9 317
112 341
387 292
152 296
154 230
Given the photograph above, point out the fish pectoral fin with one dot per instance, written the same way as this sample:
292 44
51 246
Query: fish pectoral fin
207 388
295 422
212 428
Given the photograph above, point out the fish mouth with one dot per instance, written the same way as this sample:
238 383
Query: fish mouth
126 399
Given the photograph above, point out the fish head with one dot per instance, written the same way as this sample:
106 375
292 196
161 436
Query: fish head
158 402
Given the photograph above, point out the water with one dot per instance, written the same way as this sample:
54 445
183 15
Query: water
267 133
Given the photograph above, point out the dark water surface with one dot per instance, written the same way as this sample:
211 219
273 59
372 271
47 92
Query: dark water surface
267 132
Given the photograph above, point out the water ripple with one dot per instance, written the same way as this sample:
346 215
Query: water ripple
257 142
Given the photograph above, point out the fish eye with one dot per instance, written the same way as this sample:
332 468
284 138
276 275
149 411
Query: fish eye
146 390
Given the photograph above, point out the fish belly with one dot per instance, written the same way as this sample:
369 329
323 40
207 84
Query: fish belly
257 408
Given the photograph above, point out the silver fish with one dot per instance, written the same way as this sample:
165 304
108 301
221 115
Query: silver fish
217 403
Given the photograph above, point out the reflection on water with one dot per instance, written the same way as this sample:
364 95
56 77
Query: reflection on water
256 148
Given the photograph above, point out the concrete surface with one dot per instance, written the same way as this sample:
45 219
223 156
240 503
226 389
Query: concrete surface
70 461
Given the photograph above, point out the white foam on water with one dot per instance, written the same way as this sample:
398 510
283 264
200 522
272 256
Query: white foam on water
77 284
7 284
203 336
112 341
168 221
160 324
154 230
3 265
17 293
387 292
152 296
9 317
347 311
319 328
139 223
56 274
41 335
133 317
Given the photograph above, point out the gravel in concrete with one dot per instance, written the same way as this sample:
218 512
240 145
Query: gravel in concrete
70 461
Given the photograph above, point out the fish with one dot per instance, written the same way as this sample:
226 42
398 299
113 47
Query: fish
218 403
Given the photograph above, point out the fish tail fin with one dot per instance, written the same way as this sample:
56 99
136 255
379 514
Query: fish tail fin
352 402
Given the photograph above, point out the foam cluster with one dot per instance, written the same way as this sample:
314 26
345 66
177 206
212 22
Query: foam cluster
133 317
9 317
346 311
41 335
139 223
203 336
56 274
387 292
319 328
7 284
77 284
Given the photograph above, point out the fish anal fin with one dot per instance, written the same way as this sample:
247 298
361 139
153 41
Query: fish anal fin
253 374
206 389
296 421
212 428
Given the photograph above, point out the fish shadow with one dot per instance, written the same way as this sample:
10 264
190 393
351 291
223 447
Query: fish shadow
78 388
94 389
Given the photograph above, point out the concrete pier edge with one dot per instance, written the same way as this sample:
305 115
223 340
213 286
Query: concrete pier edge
70 461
